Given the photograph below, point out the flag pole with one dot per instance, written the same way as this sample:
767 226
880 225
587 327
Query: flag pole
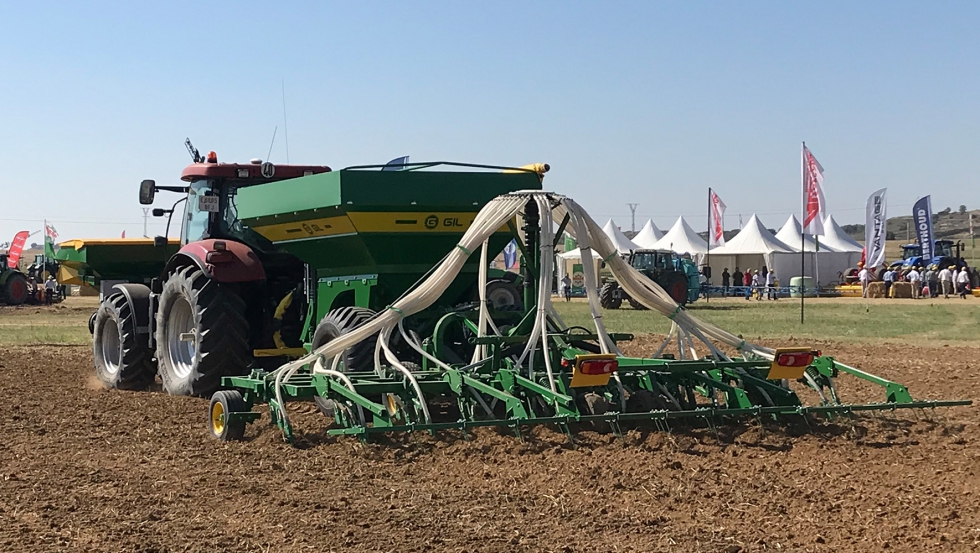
707 261
802 231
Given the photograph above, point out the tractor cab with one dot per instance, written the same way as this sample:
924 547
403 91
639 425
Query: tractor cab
911 250
946 248
650 261
210 210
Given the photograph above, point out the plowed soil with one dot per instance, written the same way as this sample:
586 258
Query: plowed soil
88 469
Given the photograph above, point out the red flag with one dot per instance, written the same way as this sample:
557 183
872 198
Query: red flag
16 248
123 234
814 205
717 224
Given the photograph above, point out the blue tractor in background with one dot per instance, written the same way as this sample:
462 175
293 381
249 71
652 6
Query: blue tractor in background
947 254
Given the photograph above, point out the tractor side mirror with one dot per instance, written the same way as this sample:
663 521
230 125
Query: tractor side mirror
159 212
148 189
160 241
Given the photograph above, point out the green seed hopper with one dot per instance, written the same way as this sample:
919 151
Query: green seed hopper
90 261
369 234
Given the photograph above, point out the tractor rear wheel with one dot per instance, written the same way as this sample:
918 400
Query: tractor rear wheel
636 304
359 358
202 333
120 360
608 298
675 284
15 291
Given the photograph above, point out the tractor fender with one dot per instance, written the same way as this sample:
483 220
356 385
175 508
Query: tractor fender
138 298
233 262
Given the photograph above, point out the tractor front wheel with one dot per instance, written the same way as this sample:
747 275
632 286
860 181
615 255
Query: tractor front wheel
15 292
202 333
675 284
357 358
608 298
120 360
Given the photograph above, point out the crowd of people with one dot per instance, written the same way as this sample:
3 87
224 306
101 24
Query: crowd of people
753 282
926 282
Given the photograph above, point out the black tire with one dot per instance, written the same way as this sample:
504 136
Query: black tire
592 403
644 401
91 322
504 296
192 303
675 284
15 289
635 304
120 361
608 298
359 358
222 403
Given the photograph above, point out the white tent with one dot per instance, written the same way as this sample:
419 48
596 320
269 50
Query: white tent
622 243
753 248
567 261
837 239
648 235
681 238
828 263
790 235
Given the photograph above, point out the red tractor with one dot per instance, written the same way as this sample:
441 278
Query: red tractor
220 304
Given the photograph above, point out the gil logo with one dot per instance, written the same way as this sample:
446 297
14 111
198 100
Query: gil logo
431 222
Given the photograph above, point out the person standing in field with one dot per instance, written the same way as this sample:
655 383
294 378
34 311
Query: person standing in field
889 279
737 279
915 279
566 288
757 285
929 279
747 282
963 282
771 285
946 281
864 275
726 280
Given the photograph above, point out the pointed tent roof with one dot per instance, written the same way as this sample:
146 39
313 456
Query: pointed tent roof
681 238
577 254
648 235
622 243
753 238
836 238
790 235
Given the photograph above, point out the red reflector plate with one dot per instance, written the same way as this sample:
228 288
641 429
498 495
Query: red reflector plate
599 366
795 359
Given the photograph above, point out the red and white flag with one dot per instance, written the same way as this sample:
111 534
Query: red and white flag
49 232
716 232
814 206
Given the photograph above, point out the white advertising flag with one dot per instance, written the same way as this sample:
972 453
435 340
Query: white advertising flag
814 206
716 234
874 230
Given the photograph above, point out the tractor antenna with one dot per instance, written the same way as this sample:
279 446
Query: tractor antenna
285 127
269 156
195 155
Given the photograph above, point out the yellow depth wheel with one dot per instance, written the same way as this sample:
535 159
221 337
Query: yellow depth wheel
223 405
217 418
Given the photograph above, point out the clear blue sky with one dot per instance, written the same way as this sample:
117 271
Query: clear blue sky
642 102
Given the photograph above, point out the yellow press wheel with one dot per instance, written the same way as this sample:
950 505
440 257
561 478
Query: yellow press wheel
224 403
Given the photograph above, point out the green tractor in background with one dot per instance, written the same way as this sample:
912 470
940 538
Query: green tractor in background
677 275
